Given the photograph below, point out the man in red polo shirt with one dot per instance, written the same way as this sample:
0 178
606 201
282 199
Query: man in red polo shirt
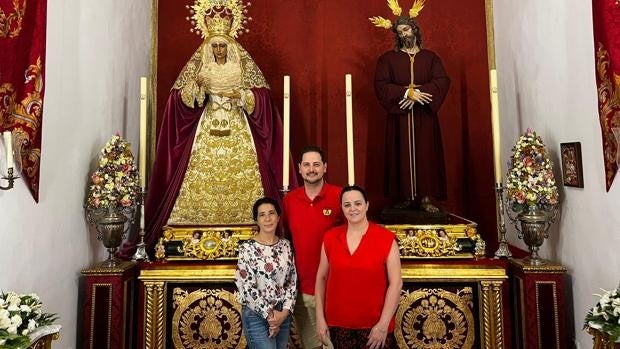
310 211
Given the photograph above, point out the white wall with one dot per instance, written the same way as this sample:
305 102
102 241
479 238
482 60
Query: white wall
96 52
545 61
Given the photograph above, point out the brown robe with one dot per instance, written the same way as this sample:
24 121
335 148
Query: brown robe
392 77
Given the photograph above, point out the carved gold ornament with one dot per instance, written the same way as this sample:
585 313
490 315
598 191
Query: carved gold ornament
11 23
206 319
381 22
211 245
435 319
428 243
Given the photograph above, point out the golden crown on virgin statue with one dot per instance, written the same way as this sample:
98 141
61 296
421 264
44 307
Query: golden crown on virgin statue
219 17
397 11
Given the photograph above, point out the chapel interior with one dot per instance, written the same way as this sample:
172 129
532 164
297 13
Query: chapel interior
543 57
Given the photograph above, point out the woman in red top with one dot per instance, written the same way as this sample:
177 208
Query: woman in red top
358 281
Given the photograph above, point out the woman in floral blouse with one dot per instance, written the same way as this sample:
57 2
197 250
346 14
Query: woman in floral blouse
266 280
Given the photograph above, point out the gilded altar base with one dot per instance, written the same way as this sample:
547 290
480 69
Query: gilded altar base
458 239
452 305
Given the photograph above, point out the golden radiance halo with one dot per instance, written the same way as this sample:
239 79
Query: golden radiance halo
219 17
381 22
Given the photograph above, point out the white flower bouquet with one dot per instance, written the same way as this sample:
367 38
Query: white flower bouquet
605 315
530 180
115 182
20 314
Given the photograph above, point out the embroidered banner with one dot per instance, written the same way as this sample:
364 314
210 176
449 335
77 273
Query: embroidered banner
606 19
22 63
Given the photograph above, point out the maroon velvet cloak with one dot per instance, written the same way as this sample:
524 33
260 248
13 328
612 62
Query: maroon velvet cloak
392 77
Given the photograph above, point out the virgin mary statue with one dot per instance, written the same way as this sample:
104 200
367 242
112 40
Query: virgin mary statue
219 147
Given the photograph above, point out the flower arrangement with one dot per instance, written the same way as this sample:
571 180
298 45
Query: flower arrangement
115 182
605 315
20 314
530 180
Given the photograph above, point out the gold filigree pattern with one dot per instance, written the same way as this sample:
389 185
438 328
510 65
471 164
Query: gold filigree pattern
211 244
435 319
11 24
428 243
222 181
609 111
206 319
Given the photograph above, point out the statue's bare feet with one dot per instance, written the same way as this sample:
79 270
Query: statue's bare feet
427 206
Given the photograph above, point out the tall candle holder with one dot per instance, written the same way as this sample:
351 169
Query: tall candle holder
140 254
502 250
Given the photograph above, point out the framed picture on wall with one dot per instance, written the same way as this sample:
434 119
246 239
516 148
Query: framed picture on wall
572 169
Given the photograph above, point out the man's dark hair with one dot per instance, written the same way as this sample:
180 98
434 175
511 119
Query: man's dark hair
406 20
265 200
354 188
312 149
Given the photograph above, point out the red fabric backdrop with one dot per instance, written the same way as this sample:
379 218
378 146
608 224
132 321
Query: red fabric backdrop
22 62
317 42
606 19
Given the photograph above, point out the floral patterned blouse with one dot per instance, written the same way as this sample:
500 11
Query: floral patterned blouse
266 276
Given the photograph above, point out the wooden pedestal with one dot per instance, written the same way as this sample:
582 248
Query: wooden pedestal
107 306
538 296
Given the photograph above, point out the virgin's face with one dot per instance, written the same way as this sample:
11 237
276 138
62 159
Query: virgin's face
354 206
267 218
220 49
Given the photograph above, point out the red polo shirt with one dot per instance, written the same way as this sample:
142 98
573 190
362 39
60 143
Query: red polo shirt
307 221
357 283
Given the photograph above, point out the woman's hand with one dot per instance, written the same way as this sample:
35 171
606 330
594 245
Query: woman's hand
377 336
275 319
322 330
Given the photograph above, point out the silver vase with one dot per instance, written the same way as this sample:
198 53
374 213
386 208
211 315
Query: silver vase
533 228
111 224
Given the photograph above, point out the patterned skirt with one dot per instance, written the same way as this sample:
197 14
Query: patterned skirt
344 338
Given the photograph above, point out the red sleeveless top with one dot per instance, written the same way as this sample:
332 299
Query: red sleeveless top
356 283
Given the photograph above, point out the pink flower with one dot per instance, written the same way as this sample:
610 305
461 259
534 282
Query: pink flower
96 179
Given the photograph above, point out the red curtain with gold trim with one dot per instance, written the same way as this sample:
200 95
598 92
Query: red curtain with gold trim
22 62
607 50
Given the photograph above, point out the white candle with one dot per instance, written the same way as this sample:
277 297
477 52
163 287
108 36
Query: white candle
349 109
143 122
8 143
142 216
286 136
497 159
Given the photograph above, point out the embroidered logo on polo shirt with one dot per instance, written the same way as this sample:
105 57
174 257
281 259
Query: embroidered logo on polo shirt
327 212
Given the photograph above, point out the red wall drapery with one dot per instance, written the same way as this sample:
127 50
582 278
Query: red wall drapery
22 71
607 53
317 42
